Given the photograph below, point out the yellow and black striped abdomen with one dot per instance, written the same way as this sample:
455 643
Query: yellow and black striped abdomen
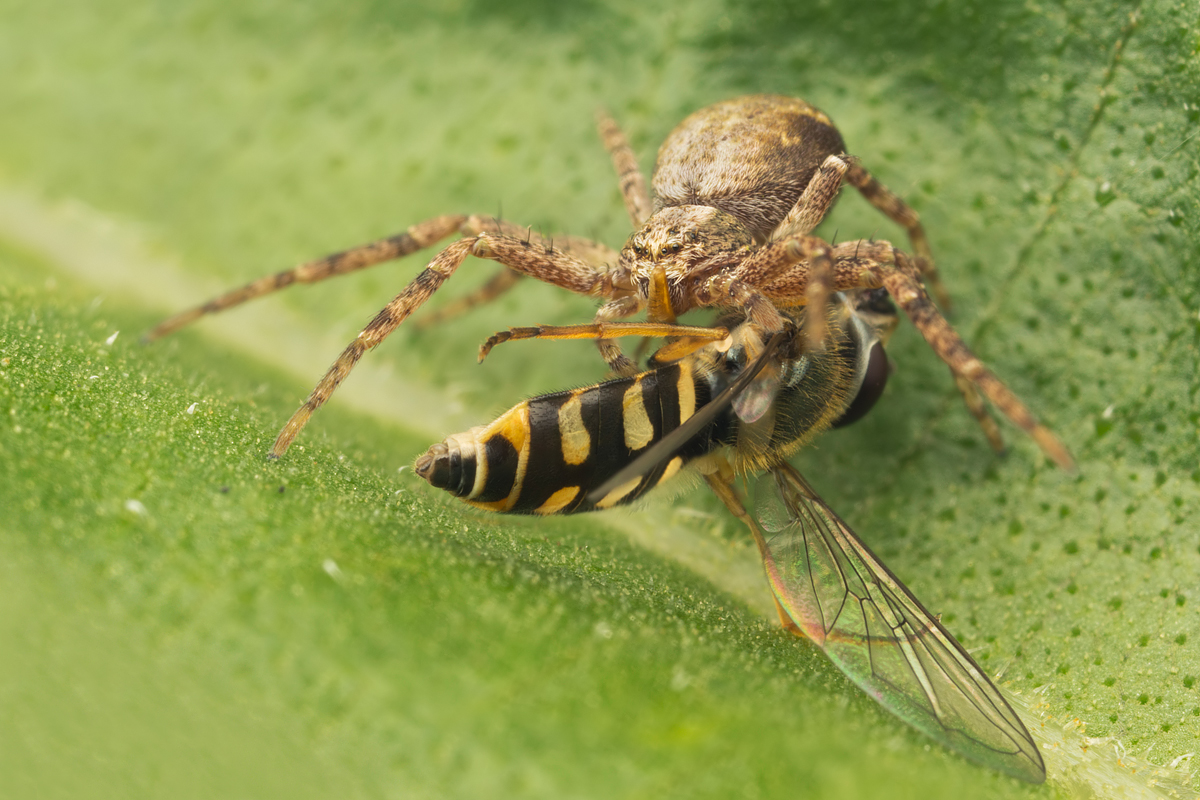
546 454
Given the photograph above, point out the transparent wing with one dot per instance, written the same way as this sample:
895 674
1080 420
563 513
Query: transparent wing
881 636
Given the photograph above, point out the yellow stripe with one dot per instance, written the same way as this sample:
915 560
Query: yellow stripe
686 389
673 466
558 500
576 441
513 426
639 432
619 493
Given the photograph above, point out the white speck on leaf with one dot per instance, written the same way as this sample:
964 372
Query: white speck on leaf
331 569
112 338
135 506
1108 412
192 408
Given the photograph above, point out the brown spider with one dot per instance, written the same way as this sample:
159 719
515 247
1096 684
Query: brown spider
739 186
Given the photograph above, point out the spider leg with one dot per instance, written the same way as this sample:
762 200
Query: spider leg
812 207
903 214
721 483
497 285
522 255
633 183
418 237
592 252
610 351
695 336
910 295
870 265
978 409
816 200
904 285
765 265
731 289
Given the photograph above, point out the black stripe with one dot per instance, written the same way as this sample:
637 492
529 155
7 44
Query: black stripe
710 437
667 399
466 480
502 460
546 468
667 388
609 453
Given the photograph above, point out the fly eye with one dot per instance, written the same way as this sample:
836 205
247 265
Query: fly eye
871 389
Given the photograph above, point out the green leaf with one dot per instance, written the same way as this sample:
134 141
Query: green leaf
179 617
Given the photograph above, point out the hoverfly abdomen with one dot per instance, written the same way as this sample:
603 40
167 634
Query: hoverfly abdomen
544 456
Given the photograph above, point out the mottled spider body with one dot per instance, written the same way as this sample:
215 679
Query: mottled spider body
740 186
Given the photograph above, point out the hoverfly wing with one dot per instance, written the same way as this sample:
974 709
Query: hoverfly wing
667 446
844 599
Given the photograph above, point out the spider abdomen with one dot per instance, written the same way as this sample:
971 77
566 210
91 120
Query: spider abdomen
751 157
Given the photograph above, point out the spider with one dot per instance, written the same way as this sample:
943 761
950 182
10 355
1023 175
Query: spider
739 187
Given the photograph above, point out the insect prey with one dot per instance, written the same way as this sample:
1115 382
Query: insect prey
797 348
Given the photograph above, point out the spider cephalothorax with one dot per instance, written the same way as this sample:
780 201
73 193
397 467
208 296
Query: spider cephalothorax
685 243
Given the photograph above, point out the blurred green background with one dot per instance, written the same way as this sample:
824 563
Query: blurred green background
180 618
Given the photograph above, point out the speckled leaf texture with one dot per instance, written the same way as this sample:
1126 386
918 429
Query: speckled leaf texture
181 618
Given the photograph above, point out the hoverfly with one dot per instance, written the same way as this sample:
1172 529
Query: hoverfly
716 413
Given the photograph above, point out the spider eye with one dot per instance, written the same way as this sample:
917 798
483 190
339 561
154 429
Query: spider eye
675 248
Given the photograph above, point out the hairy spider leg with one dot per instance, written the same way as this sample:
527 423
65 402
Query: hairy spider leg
417 237
633 183
542 262
903 214
593 252
875 264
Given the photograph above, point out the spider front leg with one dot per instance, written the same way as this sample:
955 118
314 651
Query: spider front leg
817 200
522 255
870 265
764 266
594 253
418 237
903 214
